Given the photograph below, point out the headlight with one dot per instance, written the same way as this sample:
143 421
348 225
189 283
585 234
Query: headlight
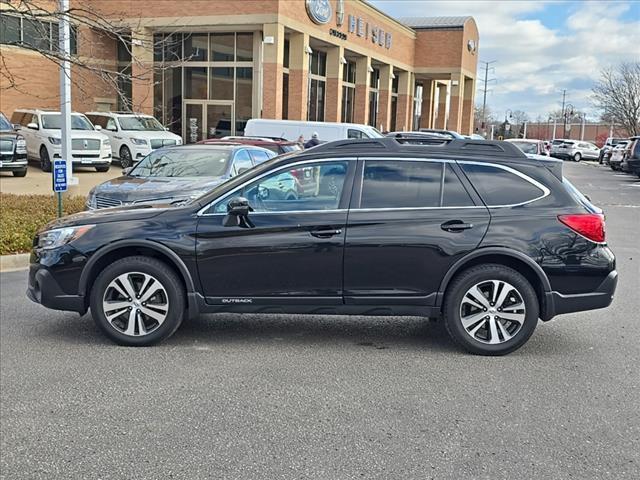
139 141
179 141
106 142
91 202
55 141
21 144
61 236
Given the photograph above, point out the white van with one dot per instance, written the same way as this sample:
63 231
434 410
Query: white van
292 129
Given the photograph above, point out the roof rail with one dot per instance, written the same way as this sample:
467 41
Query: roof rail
418 144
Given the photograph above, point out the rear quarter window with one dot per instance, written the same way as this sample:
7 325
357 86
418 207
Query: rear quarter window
501 187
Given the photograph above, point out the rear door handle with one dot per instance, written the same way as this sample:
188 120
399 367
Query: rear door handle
326 233
455 226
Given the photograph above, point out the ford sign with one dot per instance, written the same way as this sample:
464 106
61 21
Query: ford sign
319 11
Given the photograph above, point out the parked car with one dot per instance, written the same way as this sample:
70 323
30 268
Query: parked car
474 232
133 135
175 174
278 146
13 149
631 163
618 154
607 148
446 133
474 136
576 150
41 130
292 129
530 146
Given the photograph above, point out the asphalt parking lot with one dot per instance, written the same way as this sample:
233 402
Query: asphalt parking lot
253 397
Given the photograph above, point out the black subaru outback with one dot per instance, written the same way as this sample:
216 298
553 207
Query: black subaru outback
471 231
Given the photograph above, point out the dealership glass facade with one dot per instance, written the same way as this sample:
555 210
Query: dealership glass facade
203 83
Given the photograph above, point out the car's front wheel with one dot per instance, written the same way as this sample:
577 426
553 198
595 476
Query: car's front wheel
45 161
138 301
103 168
125 157
491 310
20 173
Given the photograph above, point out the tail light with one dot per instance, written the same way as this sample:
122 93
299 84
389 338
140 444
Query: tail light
589 225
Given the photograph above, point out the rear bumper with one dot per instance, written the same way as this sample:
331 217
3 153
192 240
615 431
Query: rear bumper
557 303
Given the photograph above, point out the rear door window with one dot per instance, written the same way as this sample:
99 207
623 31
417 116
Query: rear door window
498 186
259 156
241 162
411 184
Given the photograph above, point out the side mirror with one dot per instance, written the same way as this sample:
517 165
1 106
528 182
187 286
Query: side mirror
97 127
238 210
32 126
127 171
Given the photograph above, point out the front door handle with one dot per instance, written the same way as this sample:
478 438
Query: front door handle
326 233
455 226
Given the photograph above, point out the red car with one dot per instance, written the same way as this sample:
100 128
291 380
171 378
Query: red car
276 145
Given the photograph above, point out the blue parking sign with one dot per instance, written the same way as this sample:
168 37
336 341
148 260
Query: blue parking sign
59 176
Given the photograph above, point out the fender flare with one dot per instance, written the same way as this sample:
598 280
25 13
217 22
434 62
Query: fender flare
508 252
160 248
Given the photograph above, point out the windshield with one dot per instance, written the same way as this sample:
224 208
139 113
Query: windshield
373 132
140 124
526 147
615 141
4 123
182 162
53 121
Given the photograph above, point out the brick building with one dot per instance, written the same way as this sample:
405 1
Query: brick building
205 67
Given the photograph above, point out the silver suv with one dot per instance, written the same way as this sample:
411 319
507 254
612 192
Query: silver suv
575 150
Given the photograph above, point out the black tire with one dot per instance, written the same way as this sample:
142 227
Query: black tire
103 168
45 161
125 157
20 173
173 288
577 157
484 273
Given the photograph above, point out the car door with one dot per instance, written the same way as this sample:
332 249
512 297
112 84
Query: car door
410 221
292 252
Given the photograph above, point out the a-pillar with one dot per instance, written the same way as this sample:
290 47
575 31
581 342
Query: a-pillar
298 76
440 121
272 71
428 104
455 103
467 106
384 98
333 94
142 71
404 110
361 103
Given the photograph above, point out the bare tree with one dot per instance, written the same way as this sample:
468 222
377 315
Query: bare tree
94 32
617 95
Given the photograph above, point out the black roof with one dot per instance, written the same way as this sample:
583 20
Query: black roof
421 146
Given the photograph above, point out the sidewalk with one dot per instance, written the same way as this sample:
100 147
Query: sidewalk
39 182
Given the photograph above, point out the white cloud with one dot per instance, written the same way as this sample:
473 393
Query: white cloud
541 47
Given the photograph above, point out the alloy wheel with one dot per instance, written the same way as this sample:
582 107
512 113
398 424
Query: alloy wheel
135 303
125 157
492 312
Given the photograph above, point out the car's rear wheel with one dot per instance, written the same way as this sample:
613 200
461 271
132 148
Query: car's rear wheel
138 301
125 157
491 310
577 157
45 161
20 173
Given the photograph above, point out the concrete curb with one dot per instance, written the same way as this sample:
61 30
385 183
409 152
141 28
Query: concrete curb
12 263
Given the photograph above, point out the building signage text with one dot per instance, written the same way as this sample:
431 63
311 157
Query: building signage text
361 28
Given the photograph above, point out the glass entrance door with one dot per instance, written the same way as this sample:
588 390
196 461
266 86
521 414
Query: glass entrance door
207 119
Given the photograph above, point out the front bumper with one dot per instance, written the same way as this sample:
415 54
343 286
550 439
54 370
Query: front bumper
557 303
11 166
46 291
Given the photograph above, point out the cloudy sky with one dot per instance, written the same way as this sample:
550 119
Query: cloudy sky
541 47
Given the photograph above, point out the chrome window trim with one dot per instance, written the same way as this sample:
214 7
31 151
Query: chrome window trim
545 191
269 172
